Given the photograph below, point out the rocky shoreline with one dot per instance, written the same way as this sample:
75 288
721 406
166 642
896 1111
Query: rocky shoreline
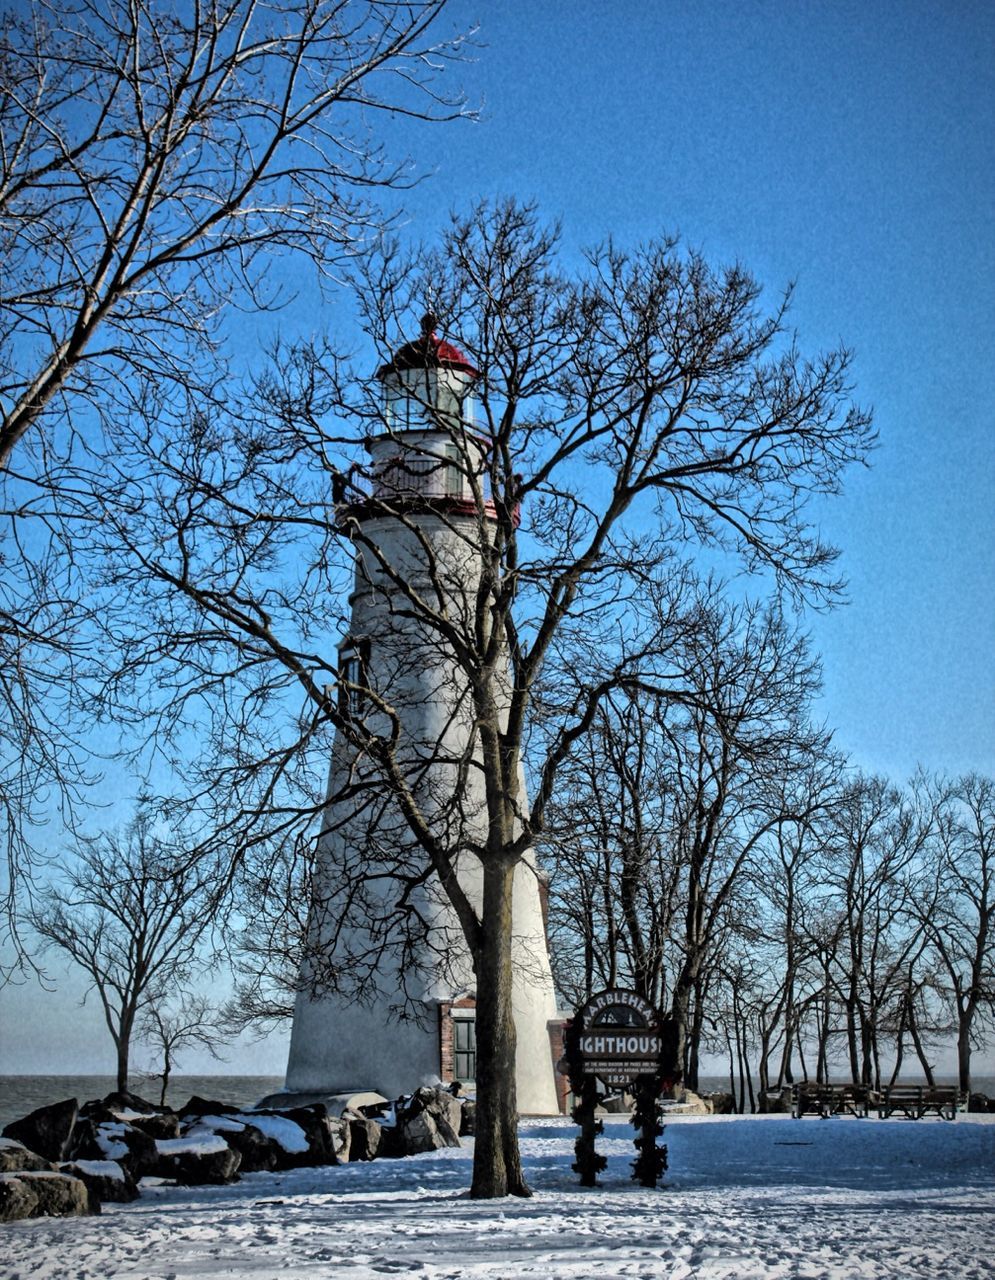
66 1159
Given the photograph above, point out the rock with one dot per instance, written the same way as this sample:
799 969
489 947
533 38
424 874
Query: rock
980 1102
302 1134
468 1118
723 1104
688 1103
159 1125
125 1101
105 1179
420 1133
202 1159
257 1152
429 1120
334 1103
448 1113
118 1140
340 1136
775 1102
47 1131
16 1158
365 1137
17 1198
313 1120
198 1106
58 1195
618 1104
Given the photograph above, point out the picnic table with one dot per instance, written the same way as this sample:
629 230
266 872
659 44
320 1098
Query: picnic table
812 1097
826 1099
915 1100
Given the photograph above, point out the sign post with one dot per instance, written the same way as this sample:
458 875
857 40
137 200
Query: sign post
619 1041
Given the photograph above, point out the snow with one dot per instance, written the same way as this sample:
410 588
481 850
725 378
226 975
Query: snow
745 1198
105 1136
285 1133
203 1143
96 1168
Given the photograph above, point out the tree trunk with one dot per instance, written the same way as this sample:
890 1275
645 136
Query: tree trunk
964 1051
852 1038
167 1066
497 1165
927 1066
688 1021
122 1062
900 1037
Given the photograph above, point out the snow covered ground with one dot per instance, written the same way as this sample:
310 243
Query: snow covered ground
745 1197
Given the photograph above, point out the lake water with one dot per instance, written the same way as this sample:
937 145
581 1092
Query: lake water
21 1094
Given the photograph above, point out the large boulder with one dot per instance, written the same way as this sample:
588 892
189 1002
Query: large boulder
686 1102
104 1179
468 1118
198 1106
365 1137
340 1139
124 1102
776 1101
334 1103
54 1195
115 1139
18 1199
428 1121
257 1152
158 1125
47 1131
199 1159
420 1133
266 1140
16 1158
301 1134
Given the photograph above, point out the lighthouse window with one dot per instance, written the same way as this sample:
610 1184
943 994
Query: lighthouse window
454 474
353 664
465 1048
399 406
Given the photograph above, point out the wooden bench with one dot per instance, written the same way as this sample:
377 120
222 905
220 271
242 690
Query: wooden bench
915 1100
825 1100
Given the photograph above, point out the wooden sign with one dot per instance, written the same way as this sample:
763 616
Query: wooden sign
620 1040
616 1041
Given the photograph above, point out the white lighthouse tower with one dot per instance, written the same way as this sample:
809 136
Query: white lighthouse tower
388 990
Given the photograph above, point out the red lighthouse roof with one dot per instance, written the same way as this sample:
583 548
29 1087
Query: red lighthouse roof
427 352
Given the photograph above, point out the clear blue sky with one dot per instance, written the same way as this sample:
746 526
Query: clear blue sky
849 147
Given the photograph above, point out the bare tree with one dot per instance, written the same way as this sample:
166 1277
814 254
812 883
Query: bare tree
169 1029
157 161
45 769
646 402
615 882
738 757
132 913
275 896
954 906
875 839
163 169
